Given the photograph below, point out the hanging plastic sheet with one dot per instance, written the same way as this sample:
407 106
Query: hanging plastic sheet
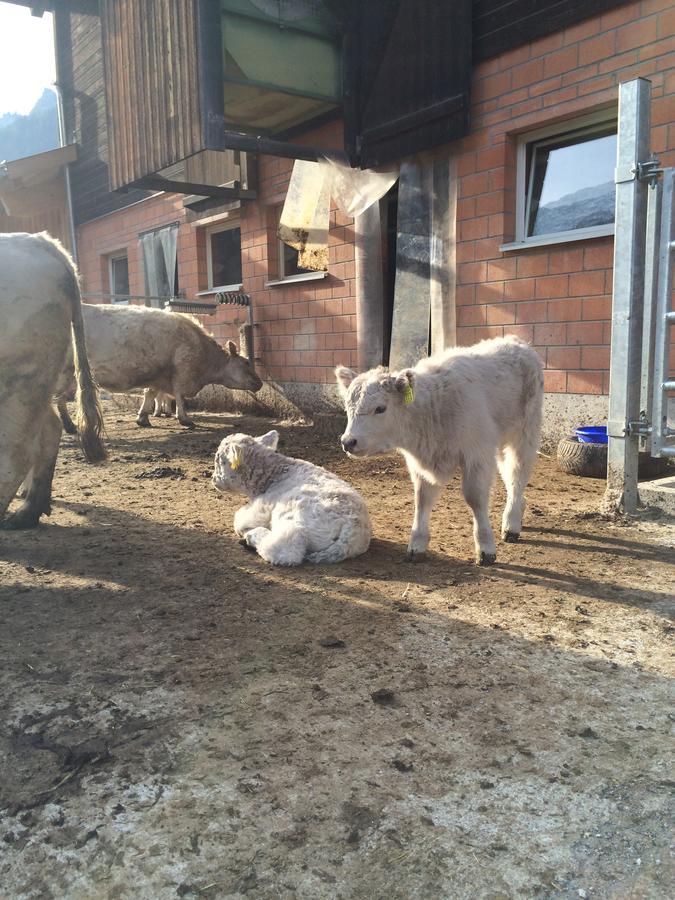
306 213
425 239
354 190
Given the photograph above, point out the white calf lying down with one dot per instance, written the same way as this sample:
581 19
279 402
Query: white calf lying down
476 408
298 511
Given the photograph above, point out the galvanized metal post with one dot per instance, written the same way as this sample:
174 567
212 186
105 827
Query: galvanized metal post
628 295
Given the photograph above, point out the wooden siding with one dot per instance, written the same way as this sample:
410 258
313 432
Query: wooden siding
80 74
407 76
150 53
502 25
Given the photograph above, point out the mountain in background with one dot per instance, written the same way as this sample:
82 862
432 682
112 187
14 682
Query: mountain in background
34 133
581 209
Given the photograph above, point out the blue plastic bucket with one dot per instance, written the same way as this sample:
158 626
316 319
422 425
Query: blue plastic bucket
593 434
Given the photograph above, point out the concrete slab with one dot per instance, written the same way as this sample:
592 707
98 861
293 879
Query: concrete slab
660 492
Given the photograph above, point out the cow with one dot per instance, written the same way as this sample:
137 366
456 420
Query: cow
477 408
297 511
40 306
138 347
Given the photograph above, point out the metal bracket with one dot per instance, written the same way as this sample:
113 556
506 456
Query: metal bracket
649 170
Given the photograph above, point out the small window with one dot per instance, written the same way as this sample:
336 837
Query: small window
118 269
223 257
160 263
565 182
288 261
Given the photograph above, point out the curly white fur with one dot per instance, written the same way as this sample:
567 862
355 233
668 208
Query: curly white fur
297 511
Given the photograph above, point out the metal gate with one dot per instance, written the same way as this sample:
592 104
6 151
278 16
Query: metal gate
642 313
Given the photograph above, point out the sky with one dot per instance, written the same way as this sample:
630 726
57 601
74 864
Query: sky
26 58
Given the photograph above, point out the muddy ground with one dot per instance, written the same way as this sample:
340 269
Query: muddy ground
179 719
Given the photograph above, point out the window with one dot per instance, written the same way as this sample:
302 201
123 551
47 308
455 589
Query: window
118 272
565 182
288 265
160 264
223 257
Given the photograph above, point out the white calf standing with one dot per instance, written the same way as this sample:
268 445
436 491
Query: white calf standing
298 511
476 407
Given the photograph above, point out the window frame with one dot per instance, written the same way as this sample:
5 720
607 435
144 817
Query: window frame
112 258
282 278
580 126
216 228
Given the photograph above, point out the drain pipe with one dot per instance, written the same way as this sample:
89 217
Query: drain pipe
63 139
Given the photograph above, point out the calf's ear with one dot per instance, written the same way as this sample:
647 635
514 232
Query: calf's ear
231 348
344 378
271 439
404 384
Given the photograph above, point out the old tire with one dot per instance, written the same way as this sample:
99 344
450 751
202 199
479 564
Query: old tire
587 460
590 460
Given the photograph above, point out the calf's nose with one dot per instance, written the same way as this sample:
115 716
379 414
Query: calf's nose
348 444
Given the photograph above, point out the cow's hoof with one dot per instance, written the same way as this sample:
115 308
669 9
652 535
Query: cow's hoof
415 555
70 428
21 520
510 537
187 423
486 559
143 423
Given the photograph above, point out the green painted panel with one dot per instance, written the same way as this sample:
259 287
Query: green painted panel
262 53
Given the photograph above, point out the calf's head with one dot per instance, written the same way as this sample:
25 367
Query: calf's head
236 459
236 371
374 402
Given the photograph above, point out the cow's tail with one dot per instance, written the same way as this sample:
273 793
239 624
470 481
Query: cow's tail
89 414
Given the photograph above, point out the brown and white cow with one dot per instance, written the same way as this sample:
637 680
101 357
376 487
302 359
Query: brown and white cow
137 347
477 408
39 305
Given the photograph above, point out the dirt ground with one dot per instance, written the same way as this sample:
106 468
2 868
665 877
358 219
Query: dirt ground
179 719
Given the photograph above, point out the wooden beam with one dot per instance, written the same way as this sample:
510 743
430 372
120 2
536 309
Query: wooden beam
158 183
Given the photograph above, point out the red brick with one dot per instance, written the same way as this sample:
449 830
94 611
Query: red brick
532 264
500 269
528 73
550 333
519 288
565 260
636 34
485 332
600 256
555 382
490 292
488 248
488 204
567 310
584 332
597 48
551 286
501 314
471 185
471 315
563 357
472 229
561 61
583 284
594 358
524 332
534 311
465 294
596 308
472 272
584 382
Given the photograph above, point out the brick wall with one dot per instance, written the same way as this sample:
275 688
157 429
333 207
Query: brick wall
305 328
556 297
120 230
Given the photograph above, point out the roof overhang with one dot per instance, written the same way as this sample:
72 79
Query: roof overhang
35 184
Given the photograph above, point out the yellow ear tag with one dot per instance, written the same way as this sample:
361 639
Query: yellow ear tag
408 396
236 460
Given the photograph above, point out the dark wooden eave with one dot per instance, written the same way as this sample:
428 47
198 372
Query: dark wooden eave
159 183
